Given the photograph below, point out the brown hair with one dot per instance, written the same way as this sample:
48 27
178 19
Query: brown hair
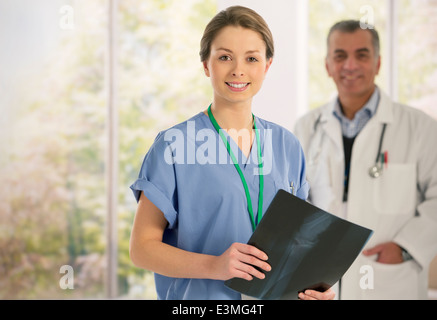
350 26
236 16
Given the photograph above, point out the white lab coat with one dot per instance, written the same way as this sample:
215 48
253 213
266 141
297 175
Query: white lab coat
399 206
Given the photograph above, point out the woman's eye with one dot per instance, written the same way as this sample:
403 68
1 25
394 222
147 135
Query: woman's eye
252 59
225 58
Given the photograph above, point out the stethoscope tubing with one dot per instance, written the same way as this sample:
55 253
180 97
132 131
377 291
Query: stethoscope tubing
374 171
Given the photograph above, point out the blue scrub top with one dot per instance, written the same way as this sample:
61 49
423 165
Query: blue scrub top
189 176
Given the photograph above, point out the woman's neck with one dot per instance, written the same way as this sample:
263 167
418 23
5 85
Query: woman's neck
237 120
236 116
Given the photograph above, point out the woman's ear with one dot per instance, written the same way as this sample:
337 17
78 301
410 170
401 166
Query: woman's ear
268 64
205 68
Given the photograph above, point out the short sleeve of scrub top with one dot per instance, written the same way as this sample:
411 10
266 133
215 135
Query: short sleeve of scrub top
188 174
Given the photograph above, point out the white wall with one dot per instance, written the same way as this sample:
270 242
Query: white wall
283 97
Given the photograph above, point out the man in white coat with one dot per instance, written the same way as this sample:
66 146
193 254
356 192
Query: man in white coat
374 162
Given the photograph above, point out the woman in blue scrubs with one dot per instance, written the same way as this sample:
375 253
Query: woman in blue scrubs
205 183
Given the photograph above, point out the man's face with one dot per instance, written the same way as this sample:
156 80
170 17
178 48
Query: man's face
352 63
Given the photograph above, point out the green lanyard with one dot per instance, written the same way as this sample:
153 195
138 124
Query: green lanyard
237 166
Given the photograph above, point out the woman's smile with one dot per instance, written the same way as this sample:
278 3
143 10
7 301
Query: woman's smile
237 86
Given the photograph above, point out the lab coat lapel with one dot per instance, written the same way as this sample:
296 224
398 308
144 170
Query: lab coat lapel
364 153
384 113
331 125
372 130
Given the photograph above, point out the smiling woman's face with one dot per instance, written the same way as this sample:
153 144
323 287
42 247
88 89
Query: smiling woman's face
237 65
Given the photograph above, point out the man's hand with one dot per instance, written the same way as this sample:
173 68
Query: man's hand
388 253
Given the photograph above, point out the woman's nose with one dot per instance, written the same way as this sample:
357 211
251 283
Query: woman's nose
238 70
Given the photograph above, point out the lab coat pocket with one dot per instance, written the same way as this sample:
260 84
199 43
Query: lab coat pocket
394 192
393 281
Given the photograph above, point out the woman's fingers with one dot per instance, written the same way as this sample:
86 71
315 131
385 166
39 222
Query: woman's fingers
251 250
243 261
317 295
254 265
253 258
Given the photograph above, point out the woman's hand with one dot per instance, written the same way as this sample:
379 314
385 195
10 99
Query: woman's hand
316 295
238 261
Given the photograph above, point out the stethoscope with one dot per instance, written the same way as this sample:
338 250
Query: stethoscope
376 170
314 154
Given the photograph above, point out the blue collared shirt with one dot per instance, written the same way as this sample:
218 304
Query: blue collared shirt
351 128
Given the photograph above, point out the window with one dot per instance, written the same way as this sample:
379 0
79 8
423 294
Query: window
52 192
161 82
417 64
57 91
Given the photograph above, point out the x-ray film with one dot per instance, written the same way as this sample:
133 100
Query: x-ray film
308 248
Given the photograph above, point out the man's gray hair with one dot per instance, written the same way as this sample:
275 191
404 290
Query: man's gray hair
350 26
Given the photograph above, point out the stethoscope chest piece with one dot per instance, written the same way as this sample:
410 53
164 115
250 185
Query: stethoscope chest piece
375 172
